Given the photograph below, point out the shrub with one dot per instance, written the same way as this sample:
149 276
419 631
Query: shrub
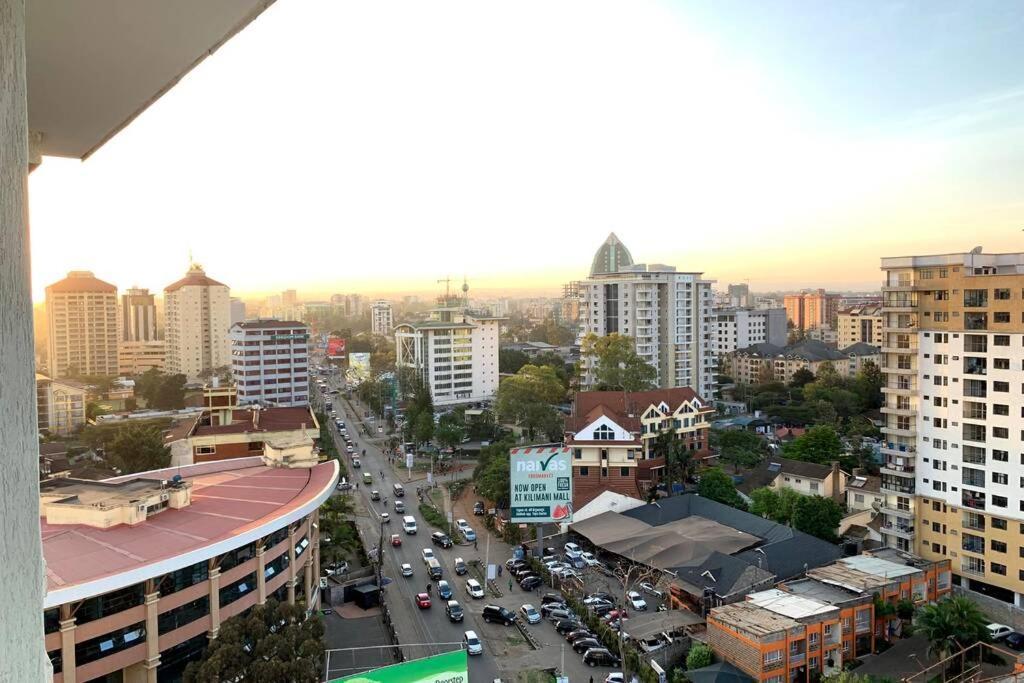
698 657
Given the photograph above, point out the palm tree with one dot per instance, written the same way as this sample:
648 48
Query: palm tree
951 625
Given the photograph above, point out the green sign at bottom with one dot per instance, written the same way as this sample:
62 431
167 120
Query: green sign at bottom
450 667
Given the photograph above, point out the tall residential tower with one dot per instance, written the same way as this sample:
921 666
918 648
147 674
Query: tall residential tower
198 314
81 314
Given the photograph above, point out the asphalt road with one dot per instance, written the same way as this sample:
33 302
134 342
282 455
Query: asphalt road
422 632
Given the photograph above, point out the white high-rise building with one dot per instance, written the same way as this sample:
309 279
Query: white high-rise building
738 328
382 319
455 353
270 362
81 313
197 311
668 313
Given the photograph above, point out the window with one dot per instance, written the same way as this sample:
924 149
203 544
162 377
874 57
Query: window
773 657
998 568
577 453
206 450
1001 294
109 643
1001 409
623 471
1000 456
238 589
998 523
1001 340
584 471
604 433
1002 387
183 578
999 501
1000 478
185 614
1001 432
1001 363
110 603
1001 317
997 546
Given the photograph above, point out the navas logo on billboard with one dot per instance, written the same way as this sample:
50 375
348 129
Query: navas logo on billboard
541 481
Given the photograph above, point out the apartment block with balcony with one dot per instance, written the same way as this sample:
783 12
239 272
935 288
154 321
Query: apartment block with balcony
811 309
82 331
197 312
382 318
270 362
859 324
954 354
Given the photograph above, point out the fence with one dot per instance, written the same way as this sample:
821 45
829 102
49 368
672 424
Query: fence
996 610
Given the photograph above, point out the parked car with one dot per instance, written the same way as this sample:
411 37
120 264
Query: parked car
607 597
473 644
406 569
454 611
599 656
460 566
565 573
1014 641
560 614
594 600
444 590
584 644
617 677
999 631
614 615
469 534
573 636
499 614
513 564
428 555
572 550
523 571
343 485
566 625
602 608
531 615
636 601
475 590
649 588
461 524
336 568
422 600
589 559
396 540
547 608
441 539
530 582
551 597
478 507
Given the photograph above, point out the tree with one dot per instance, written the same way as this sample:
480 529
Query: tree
617 365
766 373
246 647
820 444
137 448
147 384
510 360
449 433
492 472
423 431
698 657
801 377
774 504
525 398
869 384
739 447
848 677
717 485
170 395
951 625
817 516
827 375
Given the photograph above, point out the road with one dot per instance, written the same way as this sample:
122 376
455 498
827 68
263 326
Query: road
413 625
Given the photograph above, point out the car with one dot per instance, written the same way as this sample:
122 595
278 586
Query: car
514 564
385 518
573 636
584 644
343 485
998 631
349 450
572 550
356 463
473 644
336 568
478 507
528 583
454 611
547 608
589 559
555 565
551 597
396 540
406 569
460 566
649 588
615 615
602 608
461 524
428 555
531 615
499 614
1014 641
422 600
444 590
475 590
399 506
441 539
560 614
566 626
617 677
636 601
564 572
596 600
599 656
607 597
469 534
375 495
523 571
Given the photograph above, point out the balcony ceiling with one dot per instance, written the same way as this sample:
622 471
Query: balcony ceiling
94 65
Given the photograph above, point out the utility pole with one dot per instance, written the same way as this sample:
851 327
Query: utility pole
380 555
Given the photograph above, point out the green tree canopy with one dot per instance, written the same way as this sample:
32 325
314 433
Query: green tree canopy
951 625
869 385
820 444
617 364
717 485
246 647
817 516
171 393
525 399
137 448
698 657
739 447
510 360
492 472
801 377
774 504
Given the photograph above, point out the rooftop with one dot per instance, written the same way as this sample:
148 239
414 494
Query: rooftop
752 619
234 502
789 605
268 324
822 592
196 277
626 408
80 281
862 572
245 420
610 256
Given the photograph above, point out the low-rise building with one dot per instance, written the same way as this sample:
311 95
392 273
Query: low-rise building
864 492
759 361
136 357
860 324
805 478
60 404
232 432
612 436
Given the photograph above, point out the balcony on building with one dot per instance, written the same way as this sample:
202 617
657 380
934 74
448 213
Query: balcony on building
973 499
898 527
898 484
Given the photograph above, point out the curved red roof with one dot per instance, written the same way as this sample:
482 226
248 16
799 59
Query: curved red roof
80 281
196 277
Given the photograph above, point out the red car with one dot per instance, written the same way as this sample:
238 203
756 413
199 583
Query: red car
422 600
396 540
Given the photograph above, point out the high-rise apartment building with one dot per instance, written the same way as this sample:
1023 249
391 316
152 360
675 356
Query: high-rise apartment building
738 328
739 296
138 315
82 334
198 314
270 362
382 318
668 314
455 352
811 308
859 324
953 353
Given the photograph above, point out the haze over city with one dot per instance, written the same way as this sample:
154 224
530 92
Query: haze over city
330 140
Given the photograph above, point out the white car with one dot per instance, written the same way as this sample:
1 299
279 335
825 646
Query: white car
596 601
473 644
461 524
565 572
615 678
589 559
531 615
999 631
475 590
428 555
406 569
636 601
572 550
555 566
385 518
649 588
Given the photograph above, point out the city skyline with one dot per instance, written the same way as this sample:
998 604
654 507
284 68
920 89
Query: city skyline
716 142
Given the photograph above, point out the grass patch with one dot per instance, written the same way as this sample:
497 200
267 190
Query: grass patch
434 518
534 677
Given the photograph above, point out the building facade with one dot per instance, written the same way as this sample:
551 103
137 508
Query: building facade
952 438
270 362
612 436
382 318
667 313
455 352
82 333
811 308
60 405
760 362
198 313
859 324
738 328
138 315
192 565
739 296
237 310
136 357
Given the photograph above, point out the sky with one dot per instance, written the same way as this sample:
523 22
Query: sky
378 147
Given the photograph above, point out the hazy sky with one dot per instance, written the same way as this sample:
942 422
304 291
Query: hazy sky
377 146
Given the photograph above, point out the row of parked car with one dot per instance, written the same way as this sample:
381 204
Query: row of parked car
582 640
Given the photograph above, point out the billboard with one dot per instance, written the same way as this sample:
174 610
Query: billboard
359 366
541 484
449 667
335 347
